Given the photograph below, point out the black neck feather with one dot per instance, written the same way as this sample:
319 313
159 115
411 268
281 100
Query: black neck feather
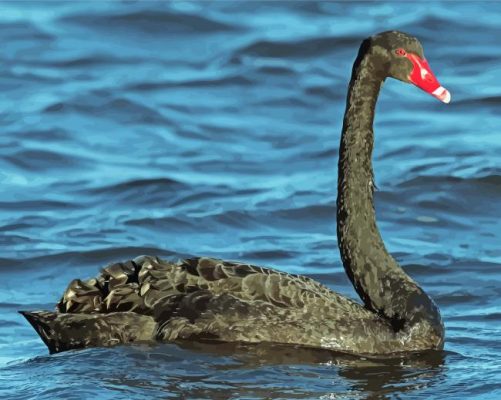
378 279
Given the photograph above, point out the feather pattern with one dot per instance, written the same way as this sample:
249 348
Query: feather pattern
210 299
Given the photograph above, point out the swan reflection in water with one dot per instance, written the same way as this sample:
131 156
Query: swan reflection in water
223 370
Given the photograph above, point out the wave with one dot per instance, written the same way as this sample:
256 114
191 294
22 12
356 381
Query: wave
36 160
124 110
92 60
37 205
479 317
478 101
420 181
309 212
152 22
268 255
223 81
171 224
458 297
57 134
92 257
302 48
24 30
142 187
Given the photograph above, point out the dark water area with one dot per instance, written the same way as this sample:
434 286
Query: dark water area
212 128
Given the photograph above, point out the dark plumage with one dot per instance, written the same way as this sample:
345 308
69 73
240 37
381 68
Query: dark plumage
149 299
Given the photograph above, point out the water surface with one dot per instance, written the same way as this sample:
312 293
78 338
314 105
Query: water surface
212 129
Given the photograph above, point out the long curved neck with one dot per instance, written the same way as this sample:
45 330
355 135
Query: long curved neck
378 279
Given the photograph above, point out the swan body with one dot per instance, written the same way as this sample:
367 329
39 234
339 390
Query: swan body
149 299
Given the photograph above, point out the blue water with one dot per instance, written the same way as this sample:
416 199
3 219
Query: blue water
212 128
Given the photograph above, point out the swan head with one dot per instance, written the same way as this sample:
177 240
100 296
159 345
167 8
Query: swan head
404 60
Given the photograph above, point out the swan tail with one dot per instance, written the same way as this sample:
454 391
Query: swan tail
61 332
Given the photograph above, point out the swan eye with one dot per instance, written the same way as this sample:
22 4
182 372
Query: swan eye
400 52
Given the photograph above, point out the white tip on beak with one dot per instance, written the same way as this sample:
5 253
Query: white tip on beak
442 94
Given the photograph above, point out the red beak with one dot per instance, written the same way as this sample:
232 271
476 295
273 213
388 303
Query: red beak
425 79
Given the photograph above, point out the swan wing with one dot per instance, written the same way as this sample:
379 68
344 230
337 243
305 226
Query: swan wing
145 284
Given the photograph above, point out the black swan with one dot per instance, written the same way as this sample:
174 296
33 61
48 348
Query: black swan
149 299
